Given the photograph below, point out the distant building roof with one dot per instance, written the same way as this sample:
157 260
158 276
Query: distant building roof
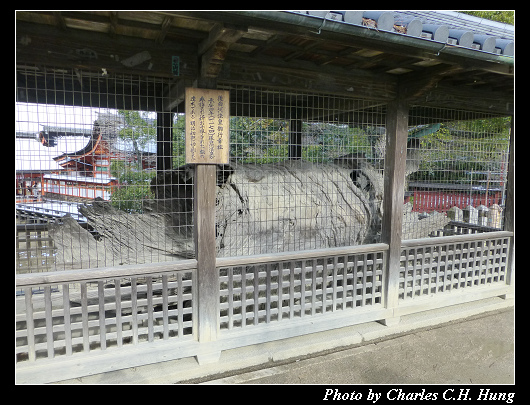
32 156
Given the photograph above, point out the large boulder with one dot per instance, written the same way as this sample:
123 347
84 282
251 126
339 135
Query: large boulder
293 205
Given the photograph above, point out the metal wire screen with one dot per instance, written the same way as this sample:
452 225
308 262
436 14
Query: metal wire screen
305 172
103 183
93 187
456 173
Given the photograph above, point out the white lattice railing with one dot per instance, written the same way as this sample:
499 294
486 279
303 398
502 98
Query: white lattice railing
83 311
283 287
87 313
433 266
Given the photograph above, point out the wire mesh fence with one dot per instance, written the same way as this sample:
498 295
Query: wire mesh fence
86 155
106 181
456 173
305 172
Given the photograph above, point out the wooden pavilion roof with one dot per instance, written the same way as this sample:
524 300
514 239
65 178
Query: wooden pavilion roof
273 49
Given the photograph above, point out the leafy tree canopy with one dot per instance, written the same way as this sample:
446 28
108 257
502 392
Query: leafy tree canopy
504 16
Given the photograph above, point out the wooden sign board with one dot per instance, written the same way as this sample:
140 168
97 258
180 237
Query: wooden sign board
207 126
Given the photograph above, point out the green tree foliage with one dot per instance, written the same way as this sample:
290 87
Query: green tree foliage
179 138
265 140
134 186
258 140
138 128
464 151
134 182
505 16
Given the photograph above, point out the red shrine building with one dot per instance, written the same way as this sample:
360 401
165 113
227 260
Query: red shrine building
85 174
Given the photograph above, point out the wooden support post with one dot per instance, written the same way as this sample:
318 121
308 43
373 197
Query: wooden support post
207 282
394 183
509 218
207 277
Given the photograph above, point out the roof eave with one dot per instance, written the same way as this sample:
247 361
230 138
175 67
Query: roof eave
393 41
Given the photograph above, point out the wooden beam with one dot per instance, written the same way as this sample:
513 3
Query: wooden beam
113 23
212 60
413 85
166 24
220 32
212 50
394 186
466 98
306 76
61 24
46 45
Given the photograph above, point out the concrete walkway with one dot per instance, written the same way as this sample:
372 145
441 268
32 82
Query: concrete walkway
477 350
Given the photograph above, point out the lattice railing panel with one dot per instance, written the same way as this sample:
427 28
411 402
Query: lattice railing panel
432 269
285 290
90 316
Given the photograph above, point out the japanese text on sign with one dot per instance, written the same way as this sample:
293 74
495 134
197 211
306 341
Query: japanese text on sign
207 126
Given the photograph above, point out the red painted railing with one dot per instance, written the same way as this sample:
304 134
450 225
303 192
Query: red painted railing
442 201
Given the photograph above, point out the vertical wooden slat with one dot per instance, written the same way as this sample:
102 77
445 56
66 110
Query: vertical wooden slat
324 284
438 264
117 297
180 304
414 272
165 309
334 293
421 271
230 297
354 283
302 288
314 287
451 259
488 270
291 288
256 294
344 287
149 282
268 294
365 274
67 325
134 309
102 327
447 273
431 258
345 282
84 316
243 296
384 275
49 320
30 325
279 291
